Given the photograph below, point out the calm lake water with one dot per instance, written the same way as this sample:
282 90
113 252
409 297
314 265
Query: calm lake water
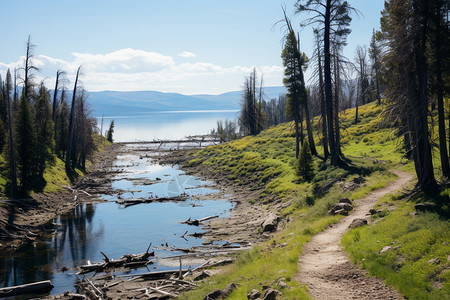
165 125
116 230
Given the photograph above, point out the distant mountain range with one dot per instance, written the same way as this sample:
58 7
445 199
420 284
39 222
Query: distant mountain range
119 103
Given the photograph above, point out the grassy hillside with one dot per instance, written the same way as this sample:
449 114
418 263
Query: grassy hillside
55 174
266 163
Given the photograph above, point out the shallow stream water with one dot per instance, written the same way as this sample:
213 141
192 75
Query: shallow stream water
115 230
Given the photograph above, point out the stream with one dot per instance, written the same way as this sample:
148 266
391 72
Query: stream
116 230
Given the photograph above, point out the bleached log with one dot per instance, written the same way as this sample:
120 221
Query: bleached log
35 287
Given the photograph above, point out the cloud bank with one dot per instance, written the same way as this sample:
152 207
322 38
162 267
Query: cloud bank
133 70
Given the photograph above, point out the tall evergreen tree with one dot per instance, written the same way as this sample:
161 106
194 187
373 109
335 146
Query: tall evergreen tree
44 131
375 57
26 141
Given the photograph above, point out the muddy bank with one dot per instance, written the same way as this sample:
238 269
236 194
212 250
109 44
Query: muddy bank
23 220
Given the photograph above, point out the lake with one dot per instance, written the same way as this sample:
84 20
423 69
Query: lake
168 125
115 230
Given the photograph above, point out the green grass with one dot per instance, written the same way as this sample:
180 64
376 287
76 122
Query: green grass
420 238
267 161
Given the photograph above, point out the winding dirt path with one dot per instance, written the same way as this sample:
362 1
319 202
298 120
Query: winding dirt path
324 267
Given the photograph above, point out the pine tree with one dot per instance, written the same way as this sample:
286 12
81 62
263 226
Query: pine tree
26 140
45 144
304 167
109 133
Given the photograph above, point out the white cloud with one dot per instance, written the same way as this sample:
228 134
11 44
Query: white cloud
130 69
187 54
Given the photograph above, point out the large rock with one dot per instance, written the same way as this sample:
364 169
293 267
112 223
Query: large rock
357 223
271 294
270 223
216 294
254 294
346 200
228 289
340 208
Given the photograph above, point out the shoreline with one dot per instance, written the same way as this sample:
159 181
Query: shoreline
25 220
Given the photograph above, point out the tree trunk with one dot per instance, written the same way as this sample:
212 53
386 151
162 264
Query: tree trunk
336 107
427 180
440 93
297 137
71 124
334 153
323 111
312 145
12 152
378 87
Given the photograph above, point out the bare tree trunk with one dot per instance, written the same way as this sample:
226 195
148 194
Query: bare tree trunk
336 105
312 145
12 152
334 153
71 123
323 110
297 137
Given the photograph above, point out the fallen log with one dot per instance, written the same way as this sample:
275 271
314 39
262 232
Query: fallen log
197 222
127 261
35 287
135 201
155 275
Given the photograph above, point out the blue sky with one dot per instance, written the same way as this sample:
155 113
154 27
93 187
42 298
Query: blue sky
190 47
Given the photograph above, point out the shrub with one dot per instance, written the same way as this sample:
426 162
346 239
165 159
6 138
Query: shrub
304 165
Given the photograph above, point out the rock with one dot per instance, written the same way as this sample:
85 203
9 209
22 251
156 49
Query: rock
271 294
424 207
373 211
385 248
216 294
202 275
282 284
254 294
346 200
228 289
346 206
359 180
342 212
270 223
434 261
357 223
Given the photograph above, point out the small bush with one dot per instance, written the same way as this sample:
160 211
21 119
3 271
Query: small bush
304 165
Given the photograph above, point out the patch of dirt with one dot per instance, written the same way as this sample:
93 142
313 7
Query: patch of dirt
324 266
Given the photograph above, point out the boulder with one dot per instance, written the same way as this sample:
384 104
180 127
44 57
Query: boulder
228 289
342 212
216 294
385 248
270 223
254 294
346 200
271 294
347 207
357 223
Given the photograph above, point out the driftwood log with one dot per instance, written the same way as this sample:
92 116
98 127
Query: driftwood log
135 201
197 222
127 261
36 287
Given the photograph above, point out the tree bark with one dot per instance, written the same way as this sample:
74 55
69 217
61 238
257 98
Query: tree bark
326 153
312 145
334 153
71 124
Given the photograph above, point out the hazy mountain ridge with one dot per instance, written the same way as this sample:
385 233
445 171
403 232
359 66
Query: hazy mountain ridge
113 102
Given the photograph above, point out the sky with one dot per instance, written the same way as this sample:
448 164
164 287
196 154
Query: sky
188 47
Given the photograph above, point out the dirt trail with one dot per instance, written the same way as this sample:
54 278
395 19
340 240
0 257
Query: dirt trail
325 268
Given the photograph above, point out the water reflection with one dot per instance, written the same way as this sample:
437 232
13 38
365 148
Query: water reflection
41 260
